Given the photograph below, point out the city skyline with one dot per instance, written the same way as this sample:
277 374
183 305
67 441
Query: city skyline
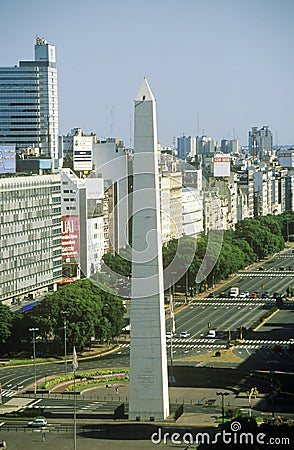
216 67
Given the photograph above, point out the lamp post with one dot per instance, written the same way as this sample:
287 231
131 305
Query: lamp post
186 285
33 330
172 331
223 394
65 314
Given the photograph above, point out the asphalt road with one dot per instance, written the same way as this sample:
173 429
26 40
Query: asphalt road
270 278
224 314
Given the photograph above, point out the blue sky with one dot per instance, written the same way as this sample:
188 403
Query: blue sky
215 66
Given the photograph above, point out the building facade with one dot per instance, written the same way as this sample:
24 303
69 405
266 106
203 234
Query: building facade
186 146
83 226
30 246
29 102
192 212
260 142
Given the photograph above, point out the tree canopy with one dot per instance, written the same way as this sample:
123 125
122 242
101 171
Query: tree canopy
89 313
6 323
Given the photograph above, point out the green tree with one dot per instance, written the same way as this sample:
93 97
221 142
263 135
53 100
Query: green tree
120 263
90 312
5 323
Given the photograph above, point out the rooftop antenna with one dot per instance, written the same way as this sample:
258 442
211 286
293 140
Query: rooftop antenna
111 121
131 130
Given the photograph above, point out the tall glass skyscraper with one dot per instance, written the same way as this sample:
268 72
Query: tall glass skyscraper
29 102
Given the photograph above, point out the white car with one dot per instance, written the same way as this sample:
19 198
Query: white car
211 334
168 335
37 423
184 334
245 294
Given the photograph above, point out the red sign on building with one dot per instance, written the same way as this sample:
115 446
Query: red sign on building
70 237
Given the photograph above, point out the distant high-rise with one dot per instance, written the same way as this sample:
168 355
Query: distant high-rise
260 141
29 102
186 146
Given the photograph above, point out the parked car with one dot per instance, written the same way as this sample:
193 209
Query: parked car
211 295
253 295
184 334
37 423
168 334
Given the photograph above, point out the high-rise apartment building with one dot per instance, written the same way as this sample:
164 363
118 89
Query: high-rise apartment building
29 102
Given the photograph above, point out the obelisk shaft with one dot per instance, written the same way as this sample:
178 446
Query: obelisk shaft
148 396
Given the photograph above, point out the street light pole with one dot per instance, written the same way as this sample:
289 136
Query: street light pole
65 314
33 330
172 331
186 285
223 394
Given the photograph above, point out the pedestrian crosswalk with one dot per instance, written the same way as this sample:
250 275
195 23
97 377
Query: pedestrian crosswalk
265 273
8 393
215 344
229 302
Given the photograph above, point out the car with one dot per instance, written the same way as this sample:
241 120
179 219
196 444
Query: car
243 295
168 335
282 267
211 295
246 293
276 295
184 334
211 334
260 268
265 294
222 294
37 423
253 295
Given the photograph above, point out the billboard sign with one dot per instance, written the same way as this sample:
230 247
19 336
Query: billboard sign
286 158
82 155
7 159
70 237
221 166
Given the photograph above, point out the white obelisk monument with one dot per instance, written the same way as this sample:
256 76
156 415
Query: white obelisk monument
148 393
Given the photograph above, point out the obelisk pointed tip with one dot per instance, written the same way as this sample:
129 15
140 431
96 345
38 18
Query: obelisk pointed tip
144 92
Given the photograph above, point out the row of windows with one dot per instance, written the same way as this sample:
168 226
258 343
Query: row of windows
28 235
18 284
19 271
29 253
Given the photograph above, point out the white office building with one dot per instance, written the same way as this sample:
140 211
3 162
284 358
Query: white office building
30 245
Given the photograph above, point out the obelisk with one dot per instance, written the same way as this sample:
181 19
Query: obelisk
148 393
